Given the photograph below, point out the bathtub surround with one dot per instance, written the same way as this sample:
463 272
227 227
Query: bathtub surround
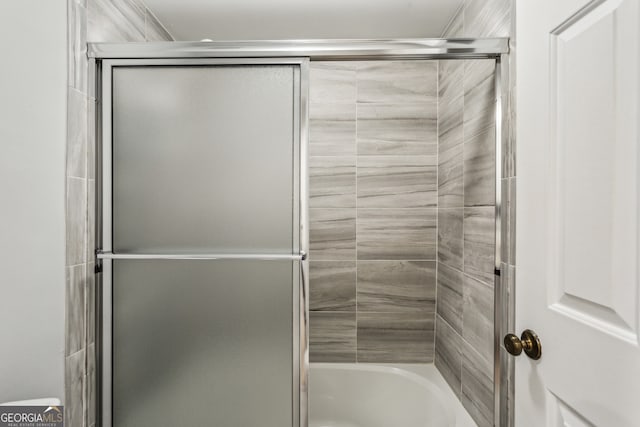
93 21
373 199
377 178
388 165
466 210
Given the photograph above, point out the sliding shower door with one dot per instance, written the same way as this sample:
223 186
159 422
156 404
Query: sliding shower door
203 287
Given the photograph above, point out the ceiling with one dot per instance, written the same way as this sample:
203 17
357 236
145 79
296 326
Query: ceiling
301 19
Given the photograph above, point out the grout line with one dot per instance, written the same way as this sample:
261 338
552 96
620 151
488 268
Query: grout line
454 331
435 324
424 312
76 265
356 160
146 23
148 11
377 260
459 11
463 150
424 208
463 72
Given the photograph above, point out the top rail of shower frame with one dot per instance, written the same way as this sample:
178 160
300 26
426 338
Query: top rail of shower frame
326 50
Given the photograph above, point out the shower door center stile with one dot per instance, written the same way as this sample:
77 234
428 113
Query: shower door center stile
202 237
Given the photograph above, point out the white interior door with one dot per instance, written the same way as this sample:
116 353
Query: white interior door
578 216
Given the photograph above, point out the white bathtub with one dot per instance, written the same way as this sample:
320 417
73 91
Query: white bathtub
365 395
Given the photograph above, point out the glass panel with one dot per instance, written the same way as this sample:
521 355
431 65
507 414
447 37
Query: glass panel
203 158
202 343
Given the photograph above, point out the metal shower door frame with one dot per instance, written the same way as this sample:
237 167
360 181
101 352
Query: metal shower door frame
104 225
358 50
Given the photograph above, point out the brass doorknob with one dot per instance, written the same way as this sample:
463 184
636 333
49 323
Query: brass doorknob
528 341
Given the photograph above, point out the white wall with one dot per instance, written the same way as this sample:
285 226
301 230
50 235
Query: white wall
33 76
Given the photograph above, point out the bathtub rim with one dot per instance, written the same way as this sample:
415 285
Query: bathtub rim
423 373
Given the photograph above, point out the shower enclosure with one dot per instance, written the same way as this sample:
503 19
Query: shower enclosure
202 246
202 231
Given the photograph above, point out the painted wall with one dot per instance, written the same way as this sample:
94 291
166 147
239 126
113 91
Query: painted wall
32 240
294 19
89 21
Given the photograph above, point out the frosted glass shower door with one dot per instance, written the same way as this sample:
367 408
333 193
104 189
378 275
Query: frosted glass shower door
202 244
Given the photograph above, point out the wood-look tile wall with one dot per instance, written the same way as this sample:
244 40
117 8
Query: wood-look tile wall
373 199
466 196
385 168
93 21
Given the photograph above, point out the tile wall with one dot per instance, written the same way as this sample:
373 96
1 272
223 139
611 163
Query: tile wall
373 199
93 21
466 200
401 173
